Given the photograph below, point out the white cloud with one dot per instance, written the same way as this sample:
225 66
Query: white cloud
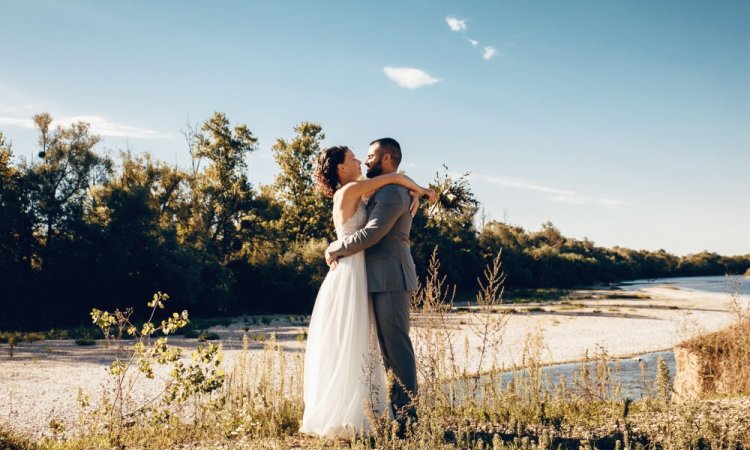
409 77
523 184
488 52
16 122
15 109
572 199
554 194
612 203
99 125
473 42
455 23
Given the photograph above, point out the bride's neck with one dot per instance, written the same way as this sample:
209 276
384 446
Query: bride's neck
344 182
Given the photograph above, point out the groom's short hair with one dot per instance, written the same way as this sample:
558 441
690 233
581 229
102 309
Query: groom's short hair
392 147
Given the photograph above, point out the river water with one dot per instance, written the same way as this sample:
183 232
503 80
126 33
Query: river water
635 375
716 284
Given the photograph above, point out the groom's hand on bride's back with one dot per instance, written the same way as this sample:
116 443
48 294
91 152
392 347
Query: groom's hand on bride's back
331 261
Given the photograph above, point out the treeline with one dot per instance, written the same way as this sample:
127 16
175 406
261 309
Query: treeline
548 259
80 229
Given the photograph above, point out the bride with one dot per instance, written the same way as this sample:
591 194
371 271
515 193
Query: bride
344 374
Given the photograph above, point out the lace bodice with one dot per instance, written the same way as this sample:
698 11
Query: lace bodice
355 222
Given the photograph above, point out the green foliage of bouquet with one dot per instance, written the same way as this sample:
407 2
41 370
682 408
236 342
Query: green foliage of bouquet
455 199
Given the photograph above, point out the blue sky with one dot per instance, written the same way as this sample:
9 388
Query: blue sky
627 122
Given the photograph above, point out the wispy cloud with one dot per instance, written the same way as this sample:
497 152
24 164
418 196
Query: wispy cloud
459 25
572 198
511 42
523 184
455 23
16 109
612 203
105 127
17 122
99 125
409 77
553 194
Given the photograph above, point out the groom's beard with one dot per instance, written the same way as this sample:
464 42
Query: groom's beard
375 171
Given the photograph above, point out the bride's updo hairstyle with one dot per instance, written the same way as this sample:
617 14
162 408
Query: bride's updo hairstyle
326 171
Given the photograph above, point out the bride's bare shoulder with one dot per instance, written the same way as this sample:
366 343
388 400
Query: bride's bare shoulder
338 196
341 201
346 194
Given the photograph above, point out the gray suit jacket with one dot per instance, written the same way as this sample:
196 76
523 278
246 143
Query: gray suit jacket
385 239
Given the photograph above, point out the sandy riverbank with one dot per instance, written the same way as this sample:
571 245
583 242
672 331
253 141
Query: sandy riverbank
655 319
41 381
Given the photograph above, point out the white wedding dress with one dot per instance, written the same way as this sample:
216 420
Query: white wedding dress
343 367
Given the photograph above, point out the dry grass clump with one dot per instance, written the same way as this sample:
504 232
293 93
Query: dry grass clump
10 440
725 357
568 306
697 424
725 354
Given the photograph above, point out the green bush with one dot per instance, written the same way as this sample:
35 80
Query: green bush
189 331
204 336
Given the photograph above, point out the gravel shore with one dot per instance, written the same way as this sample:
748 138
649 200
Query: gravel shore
42 380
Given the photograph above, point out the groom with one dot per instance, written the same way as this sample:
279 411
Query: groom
390 272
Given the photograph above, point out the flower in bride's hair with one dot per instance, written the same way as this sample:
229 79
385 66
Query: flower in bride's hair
455 199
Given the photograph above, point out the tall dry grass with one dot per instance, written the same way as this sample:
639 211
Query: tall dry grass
486 407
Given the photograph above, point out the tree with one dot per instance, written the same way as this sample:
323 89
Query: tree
17 242
456 239
221 194
15 224
221 199
136 216
305 211
60 183
549 235
167 187
496 236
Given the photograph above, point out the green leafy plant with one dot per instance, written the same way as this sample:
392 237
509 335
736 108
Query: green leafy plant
203 376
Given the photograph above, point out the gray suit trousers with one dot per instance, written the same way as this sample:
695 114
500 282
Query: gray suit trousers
392 318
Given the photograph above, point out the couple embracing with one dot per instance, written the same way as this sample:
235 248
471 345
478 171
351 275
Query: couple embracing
366 293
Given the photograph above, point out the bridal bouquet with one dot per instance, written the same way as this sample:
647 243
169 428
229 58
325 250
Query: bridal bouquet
455 199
